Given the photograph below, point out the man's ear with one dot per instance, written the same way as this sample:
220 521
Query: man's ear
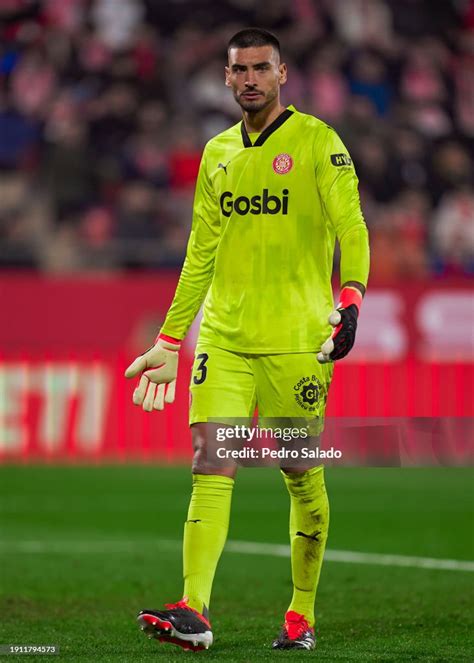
283 73
227 76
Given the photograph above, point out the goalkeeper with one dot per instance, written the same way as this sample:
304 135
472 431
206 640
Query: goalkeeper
273 194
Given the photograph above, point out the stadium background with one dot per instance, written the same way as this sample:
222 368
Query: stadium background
105 106
104 110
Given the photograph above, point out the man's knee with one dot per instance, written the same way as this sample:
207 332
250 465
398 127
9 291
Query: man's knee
299 463
205 459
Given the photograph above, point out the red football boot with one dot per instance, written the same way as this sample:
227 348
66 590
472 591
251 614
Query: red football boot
179 624
295 634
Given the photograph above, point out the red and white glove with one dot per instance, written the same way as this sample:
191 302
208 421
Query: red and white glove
158 367
344 321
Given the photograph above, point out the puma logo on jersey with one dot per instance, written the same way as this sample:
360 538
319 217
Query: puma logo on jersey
260 204
224 168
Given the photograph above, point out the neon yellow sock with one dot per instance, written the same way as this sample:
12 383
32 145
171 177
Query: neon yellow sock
309 522
205 533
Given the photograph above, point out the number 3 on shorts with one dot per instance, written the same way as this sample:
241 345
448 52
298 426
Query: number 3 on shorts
201 368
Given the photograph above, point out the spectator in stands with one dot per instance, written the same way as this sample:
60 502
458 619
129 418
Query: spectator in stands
328 89
139 224
410 163
69 168
375 168
184 158
453 234
452 169
369 78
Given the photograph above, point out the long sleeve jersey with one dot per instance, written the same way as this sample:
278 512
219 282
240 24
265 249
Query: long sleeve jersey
267 211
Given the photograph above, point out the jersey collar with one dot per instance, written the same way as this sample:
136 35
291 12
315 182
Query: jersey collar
268 131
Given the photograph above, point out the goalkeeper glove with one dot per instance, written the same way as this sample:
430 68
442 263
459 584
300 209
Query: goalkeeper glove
158 367
344 321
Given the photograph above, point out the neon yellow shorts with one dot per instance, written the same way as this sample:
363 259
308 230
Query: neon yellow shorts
227 385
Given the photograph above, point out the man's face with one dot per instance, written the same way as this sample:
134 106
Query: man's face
255 75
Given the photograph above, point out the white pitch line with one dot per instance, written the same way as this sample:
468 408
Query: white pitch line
239 547
353 557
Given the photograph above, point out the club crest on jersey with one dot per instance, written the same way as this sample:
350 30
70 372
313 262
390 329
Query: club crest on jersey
282 164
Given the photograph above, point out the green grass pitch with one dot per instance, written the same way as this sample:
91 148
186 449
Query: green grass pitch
84 548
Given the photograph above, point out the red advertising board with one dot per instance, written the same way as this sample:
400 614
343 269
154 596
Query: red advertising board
66 342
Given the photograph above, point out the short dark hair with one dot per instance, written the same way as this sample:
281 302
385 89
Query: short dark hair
253 37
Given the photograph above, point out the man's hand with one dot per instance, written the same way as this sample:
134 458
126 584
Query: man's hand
158 368
344 321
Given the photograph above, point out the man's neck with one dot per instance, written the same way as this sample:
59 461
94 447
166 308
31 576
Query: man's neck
259 121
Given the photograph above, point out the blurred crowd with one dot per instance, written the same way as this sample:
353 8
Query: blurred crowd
105 106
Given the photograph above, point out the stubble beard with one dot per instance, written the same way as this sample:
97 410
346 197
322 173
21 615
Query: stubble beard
257 105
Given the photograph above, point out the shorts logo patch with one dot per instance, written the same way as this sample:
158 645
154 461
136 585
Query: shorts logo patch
282 164
308 392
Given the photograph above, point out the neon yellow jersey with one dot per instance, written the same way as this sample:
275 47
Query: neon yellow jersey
265 221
